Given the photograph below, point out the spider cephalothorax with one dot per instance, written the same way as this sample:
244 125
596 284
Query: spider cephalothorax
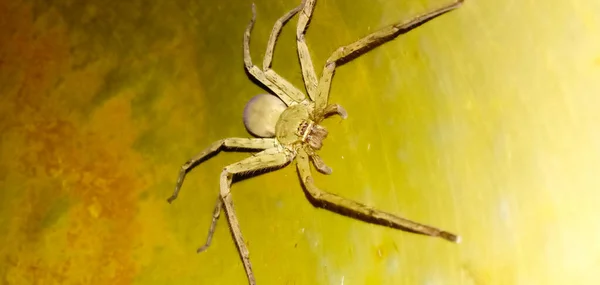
288 128
295 125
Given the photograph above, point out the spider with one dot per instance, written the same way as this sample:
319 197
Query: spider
293 130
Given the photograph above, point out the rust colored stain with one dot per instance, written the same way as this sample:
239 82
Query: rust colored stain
73 185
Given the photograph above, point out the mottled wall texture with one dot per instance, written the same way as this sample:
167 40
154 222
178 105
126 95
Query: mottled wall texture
483 122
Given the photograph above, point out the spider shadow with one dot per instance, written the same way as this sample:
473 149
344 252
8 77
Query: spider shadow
351 214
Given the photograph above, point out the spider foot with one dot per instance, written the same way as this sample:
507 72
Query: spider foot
171 199
202 249
335 109
320 164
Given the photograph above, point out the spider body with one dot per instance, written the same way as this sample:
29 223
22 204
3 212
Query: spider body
297 127
289 129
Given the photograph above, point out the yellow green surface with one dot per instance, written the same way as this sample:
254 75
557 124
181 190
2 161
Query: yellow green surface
483 122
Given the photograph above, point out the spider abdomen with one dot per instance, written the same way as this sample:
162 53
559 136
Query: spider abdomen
261 114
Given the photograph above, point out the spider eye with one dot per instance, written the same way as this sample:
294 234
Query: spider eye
261 114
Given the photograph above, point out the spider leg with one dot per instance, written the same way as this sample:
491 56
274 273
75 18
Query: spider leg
320 164
219 205
289 94
335 109
318 161
244 143
367 43
213 224
251 164
268 58
361 211
308 71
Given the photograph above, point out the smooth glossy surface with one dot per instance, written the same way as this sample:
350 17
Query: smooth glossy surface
261 114
483 122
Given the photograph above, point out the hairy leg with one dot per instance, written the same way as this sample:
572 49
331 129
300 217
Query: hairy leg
244 143
318 161
275 34
367 43
335 109
289 94
360 210
320 164
213 224
251 164
308 70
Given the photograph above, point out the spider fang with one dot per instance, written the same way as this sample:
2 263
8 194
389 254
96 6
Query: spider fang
312 134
